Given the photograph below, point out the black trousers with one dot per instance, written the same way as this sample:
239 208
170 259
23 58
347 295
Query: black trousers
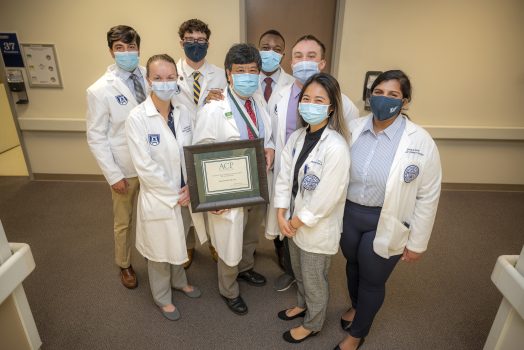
366 271
284 244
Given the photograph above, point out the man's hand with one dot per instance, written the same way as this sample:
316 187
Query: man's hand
270 157
218 212
120 187
214 95
183 200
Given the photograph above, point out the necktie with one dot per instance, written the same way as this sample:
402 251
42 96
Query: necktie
196 87
268 90
171 124
139 90
253 117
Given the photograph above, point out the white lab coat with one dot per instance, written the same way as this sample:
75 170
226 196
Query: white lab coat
158 156
109 102
212 77
284 80
408 202
215 123
278 120
320 203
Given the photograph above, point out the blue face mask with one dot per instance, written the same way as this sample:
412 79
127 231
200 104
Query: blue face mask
245 84
313 113
384 108
195 52
303 70
127 60
164 90
270 60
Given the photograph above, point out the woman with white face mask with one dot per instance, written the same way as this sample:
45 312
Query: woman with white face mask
391 200
157 130
309 197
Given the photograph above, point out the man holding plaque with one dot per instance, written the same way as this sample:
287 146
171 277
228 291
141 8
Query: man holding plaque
239 116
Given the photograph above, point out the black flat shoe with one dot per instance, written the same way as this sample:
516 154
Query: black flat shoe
345 324
237 305
359 344
283 316
289 338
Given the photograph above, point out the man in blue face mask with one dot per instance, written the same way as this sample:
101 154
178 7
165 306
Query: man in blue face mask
239 116
273 78
199 81
109 101
308 57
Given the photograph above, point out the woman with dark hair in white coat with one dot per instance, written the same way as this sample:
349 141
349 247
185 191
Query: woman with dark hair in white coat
310 193
156 132
392 200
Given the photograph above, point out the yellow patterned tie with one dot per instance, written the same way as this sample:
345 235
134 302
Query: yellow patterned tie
196 87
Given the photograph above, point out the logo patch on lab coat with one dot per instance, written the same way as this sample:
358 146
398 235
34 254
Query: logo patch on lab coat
410 173
154 139
310 182
121 99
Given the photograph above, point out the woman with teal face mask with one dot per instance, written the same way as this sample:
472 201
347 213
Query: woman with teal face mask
391 201
309 197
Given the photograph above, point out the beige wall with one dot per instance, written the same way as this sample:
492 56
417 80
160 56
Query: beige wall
464 58
78 29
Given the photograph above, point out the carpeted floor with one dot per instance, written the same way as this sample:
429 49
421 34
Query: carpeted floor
445 301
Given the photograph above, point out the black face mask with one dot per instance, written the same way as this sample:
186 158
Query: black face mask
195 51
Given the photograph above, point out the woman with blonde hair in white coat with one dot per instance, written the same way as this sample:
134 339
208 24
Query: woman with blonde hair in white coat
391 201
310 193
156 132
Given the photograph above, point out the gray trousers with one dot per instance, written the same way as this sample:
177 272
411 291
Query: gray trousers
162 277
227 275
311 273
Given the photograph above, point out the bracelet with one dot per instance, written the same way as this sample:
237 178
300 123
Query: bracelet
293 227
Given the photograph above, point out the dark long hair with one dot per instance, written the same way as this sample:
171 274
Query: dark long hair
336 116
405 84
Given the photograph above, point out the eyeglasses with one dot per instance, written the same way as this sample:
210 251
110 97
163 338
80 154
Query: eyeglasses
193 40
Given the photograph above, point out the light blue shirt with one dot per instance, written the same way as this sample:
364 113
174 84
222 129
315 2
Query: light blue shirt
371 158
241 124
126 78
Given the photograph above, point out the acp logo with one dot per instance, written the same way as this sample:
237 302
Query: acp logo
154 139
121 99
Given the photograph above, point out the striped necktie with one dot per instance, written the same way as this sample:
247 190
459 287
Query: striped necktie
139 90
196 87
252 116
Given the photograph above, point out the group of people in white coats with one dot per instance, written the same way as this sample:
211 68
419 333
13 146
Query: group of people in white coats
368 185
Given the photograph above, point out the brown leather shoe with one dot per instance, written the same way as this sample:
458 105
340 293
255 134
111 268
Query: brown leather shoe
213 252
128 277
190 253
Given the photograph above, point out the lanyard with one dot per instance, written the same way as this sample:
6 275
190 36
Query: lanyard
247 120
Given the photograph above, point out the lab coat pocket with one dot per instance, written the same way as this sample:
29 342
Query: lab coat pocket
312 175
399 237
122 157
154 209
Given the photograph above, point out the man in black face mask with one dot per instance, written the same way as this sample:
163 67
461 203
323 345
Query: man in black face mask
198 80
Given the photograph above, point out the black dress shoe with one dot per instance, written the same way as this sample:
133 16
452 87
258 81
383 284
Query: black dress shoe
289 338
253 278
283 316
236 305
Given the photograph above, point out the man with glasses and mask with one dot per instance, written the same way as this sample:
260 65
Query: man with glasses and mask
238 116
199 81
109 101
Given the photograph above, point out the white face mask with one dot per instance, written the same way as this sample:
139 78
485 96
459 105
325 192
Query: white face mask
165 90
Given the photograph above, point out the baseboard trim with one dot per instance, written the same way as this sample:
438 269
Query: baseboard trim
482 187
68 177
